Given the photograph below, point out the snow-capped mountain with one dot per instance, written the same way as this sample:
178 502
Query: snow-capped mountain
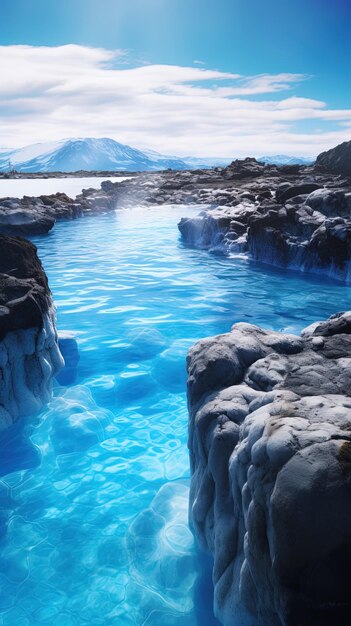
71 155
284 159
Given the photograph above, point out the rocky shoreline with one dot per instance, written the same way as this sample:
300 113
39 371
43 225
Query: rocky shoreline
290 216
18 175
270 450
304 224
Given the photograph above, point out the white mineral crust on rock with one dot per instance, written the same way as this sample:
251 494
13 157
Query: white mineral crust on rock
29 359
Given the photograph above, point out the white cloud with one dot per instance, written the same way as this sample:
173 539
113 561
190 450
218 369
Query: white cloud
50 93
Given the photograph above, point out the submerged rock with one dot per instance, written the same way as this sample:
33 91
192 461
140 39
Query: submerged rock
29 354
270 450
68 347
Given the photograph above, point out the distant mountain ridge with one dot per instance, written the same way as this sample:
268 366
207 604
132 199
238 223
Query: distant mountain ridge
284 159
89 154
71 155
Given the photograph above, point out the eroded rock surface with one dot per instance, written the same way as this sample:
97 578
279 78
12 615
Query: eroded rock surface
270 450
29 354
298 221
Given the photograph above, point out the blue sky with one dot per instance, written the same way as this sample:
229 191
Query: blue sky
306 44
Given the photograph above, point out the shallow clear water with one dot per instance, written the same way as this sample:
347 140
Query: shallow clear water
93 516
19 187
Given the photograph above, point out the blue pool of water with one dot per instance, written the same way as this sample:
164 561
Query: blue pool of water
93 515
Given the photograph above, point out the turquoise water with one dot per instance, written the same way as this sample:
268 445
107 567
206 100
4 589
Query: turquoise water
93 516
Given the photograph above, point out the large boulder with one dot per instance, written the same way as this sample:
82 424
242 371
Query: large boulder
285 191
330 202
270 451
337 160
19 219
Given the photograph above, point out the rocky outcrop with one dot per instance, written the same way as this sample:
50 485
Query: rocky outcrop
270 450
291 216
29 354
303 223
337 160
244 168
37 215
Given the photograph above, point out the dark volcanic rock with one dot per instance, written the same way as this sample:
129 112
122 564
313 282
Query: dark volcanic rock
17 221
24 292
307 227
270 450
330 202
18 258
286 191
35 215
244 168
280 215
337 160
29 355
